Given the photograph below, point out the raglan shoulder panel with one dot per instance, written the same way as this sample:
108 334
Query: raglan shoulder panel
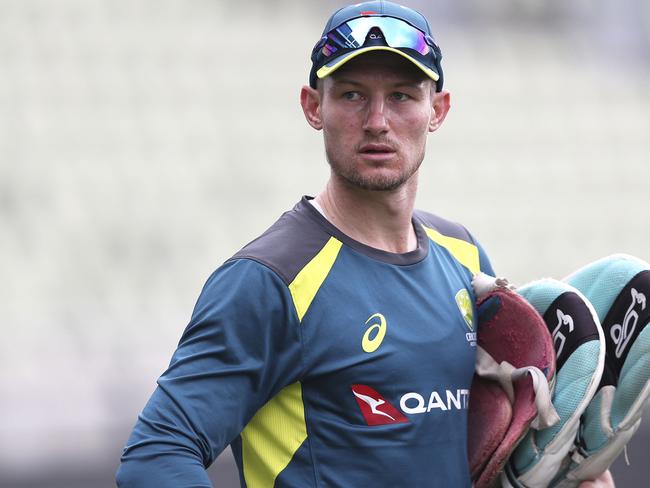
457 240
288 245
300 250
443 226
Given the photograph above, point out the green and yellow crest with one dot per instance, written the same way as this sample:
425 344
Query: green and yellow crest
464 303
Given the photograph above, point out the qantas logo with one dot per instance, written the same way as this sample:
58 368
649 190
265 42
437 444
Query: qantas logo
413 402
375 409
374 403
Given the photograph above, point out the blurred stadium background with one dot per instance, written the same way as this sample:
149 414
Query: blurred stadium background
142 142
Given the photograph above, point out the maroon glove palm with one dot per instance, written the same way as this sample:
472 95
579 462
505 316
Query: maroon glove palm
510 392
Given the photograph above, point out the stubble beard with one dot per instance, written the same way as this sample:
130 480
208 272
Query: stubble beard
354 178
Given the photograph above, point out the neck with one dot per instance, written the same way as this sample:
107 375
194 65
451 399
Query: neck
379 219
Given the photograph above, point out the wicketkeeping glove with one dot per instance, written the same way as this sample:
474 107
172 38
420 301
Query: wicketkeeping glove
580 354
619 288
515 364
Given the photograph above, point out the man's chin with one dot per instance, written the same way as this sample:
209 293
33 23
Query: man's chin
384 183
377 176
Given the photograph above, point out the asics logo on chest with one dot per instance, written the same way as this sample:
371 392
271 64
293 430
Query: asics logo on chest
375 334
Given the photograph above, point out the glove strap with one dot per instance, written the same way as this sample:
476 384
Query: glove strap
506 374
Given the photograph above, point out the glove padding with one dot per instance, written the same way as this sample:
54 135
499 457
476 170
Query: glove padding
515 357
580 354
618 286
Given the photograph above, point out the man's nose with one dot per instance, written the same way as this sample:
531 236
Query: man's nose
376 122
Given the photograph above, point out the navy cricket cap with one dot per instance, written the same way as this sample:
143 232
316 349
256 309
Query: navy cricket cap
376 26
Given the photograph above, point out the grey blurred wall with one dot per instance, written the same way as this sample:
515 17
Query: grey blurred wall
143 142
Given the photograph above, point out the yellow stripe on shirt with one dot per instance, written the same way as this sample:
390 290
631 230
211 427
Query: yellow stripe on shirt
273 436
464 252
305 285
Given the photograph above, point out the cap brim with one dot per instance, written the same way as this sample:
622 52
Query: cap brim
335 64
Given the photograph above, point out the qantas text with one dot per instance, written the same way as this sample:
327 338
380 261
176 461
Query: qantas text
413 403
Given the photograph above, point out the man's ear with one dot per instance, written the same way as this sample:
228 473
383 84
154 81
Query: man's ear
310 101
440 102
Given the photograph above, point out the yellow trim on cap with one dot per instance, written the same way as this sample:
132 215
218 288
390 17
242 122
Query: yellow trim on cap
328 70
273 436
305 285
464 252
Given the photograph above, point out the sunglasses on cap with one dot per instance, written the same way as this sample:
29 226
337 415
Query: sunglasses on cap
336 47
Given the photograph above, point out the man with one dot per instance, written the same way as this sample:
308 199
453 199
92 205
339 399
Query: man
338 348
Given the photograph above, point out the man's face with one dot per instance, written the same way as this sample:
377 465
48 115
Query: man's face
376 112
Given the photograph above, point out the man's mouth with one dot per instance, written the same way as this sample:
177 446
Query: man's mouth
377 150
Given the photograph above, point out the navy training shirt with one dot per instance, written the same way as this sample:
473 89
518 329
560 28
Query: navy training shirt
323 362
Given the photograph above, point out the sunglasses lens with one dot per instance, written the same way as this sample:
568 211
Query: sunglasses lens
396 33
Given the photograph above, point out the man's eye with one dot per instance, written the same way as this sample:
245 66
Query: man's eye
400 97
351 96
